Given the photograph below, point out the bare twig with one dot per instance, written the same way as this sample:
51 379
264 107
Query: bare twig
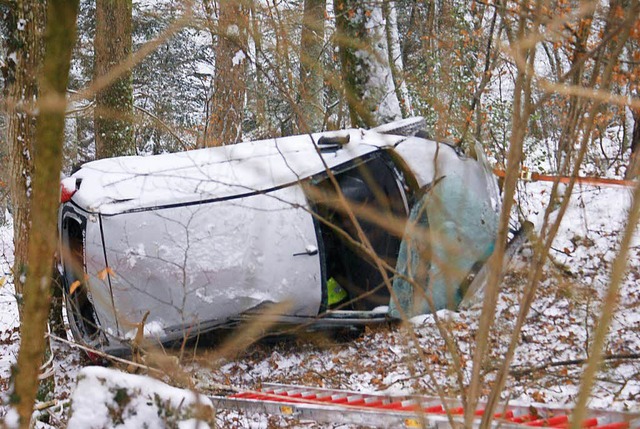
518 372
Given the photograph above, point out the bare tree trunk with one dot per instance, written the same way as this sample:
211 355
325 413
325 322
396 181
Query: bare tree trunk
633 170
4 176
227 104
411 39
395 57
26 25
47 159
257 94
442 45
577 106
366 74
114 103
311 112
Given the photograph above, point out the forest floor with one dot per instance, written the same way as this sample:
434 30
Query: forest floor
547 367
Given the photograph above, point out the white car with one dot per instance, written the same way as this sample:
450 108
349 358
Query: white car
203 239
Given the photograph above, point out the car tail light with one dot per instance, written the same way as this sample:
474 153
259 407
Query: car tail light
93 357
67 189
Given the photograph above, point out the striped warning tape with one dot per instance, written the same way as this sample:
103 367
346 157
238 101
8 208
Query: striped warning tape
529 176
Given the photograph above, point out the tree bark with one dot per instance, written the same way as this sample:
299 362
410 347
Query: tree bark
114 103
395 57
366 74
256 89
26 24
577 106
47 160
227 103
311 111
633 170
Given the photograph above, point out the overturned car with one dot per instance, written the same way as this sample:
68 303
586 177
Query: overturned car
332 229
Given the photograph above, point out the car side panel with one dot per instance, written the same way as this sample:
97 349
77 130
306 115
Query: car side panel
196 266
93 274
96 271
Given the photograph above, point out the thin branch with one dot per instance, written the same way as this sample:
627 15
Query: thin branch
518 372
185 145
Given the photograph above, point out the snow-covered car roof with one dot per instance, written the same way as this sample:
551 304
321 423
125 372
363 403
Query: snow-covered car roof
116 185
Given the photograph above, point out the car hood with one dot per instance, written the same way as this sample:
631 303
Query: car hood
132 183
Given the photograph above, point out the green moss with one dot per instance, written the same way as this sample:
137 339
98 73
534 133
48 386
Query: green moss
122 397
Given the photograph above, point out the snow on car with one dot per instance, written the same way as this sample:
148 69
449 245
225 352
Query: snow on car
203 239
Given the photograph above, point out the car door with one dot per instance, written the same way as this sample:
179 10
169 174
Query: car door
195 266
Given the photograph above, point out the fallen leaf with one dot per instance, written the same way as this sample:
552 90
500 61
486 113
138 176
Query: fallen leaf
104 273
75 285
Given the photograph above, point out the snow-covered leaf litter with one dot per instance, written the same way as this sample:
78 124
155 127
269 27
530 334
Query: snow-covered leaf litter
382 360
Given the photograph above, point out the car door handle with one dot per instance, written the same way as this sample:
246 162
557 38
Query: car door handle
309 251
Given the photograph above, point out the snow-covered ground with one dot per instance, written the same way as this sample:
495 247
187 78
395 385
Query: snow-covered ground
547 366
9 321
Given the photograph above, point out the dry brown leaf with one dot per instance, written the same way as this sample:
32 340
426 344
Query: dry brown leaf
75 285
102 275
